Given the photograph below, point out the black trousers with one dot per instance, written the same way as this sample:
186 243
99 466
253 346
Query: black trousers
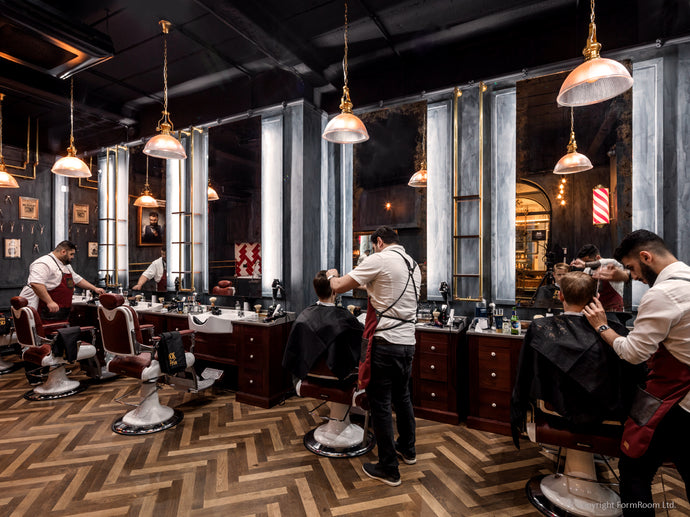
669 443
388 390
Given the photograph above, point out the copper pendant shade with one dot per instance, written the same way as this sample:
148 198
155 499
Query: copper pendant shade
165 145
572 161
70 165
6 179
346 128
595 80
211 193
146 199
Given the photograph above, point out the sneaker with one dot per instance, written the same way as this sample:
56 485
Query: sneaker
374 472
409 460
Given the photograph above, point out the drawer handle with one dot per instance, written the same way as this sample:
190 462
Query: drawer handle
493 354
493 374
433 395
251 339
251 381
493 404
433 348
432 367
251 356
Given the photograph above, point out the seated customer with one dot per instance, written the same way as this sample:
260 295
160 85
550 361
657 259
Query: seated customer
565 363
546 296
322 330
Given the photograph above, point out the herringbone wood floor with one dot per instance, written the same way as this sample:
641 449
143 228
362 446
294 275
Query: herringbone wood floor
226 458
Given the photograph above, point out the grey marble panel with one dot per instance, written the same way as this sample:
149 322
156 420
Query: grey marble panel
439 203
503 175
346 179
648 134
468 170
60 206
682 243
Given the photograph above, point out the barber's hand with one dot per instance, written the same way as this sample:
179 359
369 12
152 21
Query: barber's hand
136 287
595 314
52 306
99 290
578 263
333 272
606 273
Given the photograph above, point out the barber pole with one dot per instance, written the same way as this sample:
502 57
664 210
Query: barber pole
600 205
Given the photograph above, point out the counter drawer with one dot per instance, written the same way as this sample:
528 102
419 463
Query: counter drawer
430 342
252 381
494 405
433 367
253 356
489 355
433 395
254 336
496 376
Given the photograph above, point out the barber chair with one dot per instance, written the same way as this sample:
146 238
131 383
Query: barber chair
224 288
576 490
8 345
338 437
122 338
37 338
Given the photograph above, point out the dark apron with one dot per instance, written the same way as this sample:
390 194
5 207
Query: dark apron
370 324
609 297
162 284
62 295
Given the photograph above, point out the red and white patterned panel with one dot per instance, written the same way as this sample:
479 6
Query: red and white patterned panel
248 259
600 205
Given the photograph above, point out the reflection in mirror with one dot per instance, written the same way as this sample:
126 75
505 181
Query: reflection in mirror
382 167
554 213
147 225
234 220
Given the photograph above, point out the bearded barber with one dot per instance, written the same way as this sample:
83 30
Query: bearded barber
51 283
658 430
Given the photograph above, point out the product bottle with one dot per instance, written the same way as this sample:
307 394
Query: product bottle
514 323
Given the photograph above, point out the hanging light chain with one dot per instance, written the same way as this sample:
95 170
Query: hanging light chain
2 95
345 56
572 123
591 14
165 72
147 171
71 112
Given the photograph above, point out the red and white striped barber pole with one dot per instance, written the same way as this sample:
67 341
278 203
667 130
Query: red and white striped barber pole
600 205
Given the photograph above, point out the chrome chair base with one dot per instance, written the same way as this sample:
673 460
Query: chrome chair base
120 427
320 449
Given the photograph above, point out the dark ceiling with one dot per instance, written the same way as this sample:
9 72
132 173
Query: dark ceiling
229 56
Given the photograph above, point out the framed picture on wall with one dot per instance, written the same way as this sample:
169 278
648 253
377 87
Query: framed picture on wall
13 248
151 226
92 249
80 214
28 208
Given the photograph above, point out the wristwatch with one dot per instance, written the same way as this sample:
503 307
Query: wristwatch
603 328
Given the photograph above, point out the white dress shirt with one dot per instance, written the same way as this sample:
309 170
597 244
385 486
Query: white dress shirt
662 317
46 270
617 286
155 270
385 274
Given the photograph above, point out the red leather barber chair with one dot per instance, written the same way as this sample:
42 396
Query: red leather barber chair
38 339
122 338
224 288
8 344
338 437
576 490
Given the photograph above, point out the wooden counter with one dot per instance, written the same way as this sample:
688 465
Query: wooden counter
493 362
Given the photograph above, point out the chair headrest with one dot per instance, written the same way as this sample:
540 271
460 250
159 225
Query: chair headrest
110 301
224 283
18 302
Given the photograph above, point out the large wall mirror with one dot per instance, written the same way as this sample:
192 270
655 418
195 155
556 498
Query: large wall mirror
549 228
234 219
147 225
382 167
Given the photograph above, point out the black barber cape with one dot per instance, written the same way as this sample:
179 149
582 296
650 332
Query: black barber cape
565 363
324 330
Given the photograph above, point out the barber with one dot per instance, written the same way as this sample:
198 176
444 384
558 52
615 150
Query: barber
610 273
392 280
156 272
51 283
662 338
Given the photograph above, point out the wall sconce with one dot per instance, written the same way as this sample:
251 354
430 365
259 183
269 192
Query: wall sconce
561 192
388 205
600 206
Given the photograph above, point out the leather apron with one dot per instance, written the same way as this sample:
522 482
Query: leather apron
162 284
370 324
668 382
62 295
609 297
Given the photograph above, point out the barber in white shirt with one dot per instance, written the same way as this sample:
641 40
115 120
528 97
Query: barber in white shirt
51 283
662 338
156 272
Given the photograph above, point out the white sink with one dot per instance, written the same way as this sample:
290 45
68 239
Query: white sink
212 324
146 306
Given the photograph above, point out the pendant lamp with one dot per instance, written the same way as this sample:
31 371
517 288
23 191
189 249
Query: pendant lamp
146 199
595 80
165 145
6 179
346 128
572 161
70 165
211 193
419 178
